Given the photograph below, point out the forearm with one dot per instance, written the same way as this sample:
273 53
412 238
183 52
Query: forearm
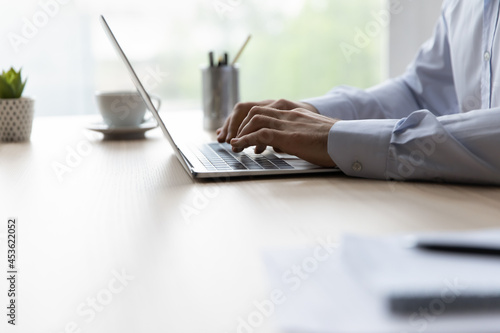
454 148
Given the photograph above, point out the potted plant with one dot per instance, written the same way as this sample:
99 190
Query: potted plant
16 112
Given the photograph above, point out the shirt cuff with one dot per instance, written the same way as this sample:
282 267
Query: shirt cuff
360 148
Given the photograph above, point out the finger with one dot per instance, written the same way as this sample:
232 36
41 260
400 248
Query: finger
240 112
258 111
261 121
259 149
276 149
227 124
263 136
257 122
233 124
222 132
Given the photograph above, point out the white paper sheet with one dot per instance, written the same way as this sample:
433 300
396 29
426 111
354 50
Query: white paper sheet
321 296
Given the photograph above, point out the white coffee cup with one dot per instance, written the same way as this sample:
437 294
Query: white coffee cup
123 108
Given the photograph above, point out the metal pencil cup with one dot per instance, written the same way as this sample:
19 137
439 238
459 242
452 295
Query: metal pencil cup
220 94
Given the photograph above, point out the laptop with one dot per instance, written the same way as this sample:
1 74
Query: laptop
217 160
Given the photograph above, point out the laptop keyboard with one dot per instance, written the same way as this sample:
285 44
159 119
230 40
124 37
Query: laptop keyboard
219 156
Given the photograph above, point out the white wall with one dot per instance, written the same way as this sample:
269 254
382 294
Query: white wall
409 29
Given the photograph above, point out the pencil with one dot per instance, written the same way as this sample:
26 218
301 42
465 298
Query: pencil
241 50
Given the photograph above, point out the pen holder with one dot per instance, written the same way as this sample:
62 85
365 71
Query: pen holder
220 94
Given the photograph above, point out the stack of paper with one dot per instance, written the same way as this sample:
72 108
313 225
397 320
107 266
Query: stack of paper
410 278
381 285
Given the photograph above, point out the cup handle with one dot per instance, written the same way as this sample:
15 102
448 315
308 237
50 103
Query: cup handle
158 101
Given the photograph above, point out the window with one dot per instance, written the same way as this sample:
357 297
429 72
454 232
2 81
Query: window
299 48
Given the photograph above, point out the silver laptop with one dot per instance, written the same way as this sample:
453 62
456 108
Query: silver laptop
216 160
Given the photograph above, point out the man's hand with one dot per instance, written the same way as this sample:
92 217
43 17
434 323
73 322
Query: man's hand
233 122
298 132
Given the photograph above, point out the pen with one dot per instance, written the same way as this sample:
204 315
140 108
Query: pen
211 58
456 247
225 59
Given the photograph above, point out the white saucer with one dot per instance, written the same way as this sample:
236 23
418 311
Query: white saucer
134 132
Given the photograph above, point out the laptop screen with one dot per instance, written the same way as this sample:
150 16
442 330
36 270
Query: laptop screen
141 90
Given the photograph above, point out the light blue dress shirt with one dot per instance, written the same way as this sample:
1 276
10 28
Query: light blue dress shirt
440 120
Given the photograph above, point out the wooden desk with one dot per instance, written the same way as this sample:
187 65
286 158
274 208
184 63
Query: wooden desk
194 248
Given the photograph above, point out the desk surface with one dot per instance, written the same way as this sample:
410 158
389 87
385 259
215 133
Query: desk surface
193 248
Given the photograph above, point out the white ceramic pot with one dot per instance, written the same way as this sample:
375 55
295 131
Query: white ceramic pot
16 119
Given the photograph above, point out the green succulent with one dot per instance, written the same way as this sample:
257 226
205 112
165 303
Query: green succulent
11 85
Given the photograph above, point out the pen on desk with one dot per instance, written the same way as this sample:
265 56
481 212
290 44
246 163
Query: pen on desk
456 247
211 58
225 59
241 50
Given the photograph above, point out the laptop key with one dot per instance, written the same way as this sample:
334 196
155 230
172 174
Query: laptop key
286 167
238 167
223 158
223 168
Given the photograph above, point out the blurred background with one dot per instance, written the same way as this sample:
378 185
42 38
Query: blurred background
299 48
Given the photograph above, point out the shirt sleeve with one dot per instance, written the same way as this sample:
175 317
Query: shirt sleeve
454 148
410 128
